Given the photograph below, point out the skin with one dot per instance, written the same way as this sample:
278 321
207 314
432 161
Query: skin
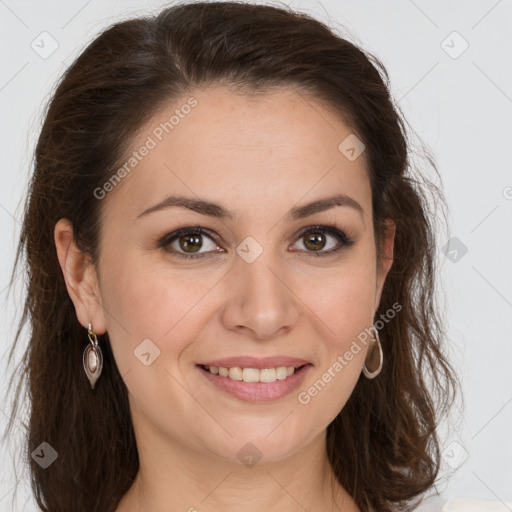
259 157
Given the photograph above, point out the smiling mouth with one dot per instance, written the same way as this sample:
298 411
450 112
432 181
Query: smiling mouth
263 375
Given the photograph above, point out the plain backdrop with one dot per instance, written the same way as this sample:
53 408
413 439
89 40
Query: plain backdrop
449 66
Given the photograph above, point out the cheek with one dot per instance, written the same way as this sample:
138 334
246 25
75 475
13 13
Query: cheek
344 299
148 300
347 316
346 313
142 302
344 305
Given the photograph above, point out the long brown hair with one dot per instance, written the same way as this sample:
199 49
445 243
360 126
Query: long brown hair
383 445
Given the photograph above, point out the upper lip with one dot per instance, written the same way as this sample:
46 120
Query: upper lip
255 362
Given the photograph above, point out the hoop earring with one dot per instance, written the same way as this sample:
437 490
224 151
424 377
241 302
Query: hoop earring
92 358
372 374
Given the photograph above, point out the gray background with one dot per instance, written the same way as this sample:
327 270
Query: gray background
459 102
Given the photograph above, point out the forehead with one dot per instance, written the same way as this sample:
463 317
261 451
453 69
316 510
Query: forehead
247 150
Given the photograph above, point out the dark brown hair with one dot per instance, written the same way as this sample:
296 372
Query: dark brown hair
383 445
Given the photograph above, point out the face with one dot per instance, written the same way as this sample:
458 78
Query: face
259 281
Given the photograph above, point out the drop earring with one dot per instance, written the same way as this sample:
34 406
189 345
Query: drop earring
368 373
92 358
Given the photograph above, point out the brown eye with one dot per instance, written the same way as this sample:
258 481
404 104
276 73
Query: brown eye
316 239
190 243
187 242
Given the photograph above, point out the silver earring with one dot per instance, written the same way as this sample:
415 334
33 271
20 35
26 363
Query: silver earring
92 358
372 374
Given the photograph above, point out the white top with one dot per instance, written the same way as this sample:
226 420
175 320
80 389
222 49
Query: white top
464 505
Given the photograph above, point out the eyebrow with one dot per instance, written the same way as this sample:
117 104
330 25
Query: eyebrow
217 211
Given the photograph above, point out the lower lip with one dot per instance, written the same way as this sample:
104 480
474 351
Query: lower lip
257 391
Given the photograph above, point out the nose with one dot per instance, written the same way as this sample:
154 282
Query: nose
261 302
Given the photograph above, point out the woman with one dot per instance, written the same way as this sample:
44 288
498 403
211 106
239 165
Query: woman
232 271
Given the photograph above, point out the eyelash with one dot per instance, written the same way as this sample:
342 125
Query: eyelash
343 239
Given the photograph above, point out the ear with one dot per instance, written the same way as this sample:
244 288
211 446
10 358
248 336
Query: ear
80 277
386 261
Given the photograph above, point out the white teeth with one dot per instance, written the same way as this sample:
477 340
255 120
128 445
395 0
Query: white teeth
235 373
253 374
281 372
250 375
268 375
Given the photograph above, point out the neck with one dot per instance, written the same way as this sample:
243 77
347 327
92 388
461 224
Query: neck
175 477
